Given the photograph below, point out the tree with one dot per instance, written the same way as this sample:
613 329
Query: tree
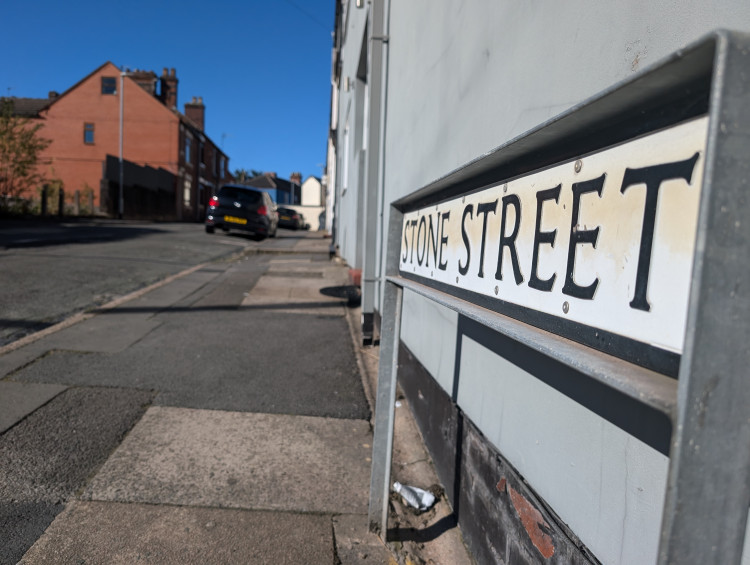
20 148
243 175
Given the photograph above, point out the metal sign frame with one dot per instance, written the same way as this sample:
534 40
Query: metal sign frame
708 491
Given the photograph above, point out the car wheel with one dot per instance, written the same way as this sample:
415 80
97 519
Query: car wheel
209 229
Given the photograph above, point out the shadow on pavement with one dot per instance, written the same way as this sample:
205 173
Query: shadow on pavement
421 536
350 293
47 235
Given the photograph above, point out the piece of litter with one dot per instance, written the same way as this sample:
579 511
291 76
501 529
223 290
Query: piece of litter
414 496
398 404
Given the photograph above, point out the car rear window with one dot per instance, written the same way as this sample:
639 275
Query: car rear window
244 195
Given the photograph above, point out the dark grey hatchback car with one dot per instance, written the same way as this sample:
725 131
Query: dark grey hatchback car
238 207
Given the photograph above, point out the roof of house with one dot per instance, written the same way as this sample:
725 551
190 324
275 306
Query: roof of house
270 180
27 107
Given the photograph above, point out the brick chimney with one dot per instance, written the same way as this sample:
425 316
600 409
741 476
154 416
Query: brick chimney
296 178
196 112
168 94
146 80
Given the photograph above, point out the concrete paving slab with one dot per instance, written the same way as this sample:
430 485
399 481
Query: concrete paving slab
240 460
16 359
355 545
105 333
18 400
292 295
110 533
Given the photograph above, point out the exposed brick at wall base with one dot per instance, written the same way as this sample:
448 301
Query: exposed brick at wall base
502 520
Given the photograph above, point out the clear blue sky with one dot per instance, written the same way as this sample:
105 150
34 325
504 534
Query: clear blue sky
262 67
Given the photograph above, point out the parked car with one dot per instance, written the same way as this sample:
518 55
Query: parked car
237 207
289 219
303 222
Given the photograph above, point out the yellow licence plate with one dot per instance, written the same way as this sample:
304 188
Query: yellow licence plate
234 220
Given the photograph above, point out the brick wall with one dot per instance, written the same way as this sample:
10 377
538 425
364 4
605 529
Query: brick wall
150 131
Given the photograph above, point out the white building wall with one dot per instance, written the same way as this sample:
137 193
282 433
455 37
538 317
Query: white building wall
311 192
464 78
350 134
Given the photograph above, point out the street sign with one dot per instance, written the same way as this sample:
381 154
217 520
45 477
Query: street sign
606 241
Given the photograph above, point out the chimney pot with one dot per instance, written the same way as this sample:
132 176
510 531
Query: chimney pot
172 73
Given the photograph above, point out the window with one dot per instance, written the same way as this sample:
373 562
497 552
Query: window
188 142
188 190
109 85
88 134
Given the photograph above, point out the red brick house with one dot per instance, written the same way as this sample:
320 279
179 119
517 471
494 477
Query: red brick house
83 124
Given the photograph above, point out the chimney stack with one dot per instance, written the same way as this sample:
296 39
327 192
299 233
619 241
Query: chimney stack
296 178
196 112
146 80
168 94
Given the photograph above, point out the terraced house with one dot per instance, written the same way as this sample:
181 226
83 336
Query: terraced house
120 133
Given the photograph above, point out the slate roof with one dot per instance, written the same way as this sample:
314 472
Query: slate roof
28 107
268 181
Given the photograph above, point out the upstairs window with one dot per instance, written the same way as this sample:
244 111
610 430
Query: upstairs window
109 85
188 143
88 133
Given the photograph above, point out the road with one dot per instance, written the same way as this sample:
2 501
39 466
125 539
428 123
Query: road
49 271
224 360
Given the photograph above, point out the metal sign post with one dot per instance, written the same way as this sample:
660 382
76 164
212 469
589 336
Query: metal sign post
658 309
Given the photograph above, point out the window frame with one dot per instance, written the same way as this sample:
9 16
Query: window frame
89 128
111 86
188 149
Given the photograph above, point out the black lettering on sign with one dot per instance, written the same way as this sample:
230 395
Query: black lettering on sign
432 236
579 236
405 256
541 237
509 241
443 265
468 211
652 177
484 208
422 246
412 223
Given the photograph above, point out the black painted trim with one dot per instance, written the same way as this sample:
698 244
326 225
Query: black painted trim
642 354
649 425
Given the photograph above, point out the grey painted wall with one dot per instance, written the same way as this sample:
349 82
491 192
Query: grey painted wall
464 78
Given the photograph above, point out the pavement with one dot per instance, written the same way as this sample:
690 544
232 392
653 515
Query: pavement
117 449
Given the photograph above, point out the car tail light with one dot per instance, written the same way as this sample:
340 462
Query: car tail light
214 201
262 210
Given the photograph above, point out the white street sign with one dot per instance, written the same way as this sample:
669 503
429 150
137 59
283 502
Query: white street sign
606 241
